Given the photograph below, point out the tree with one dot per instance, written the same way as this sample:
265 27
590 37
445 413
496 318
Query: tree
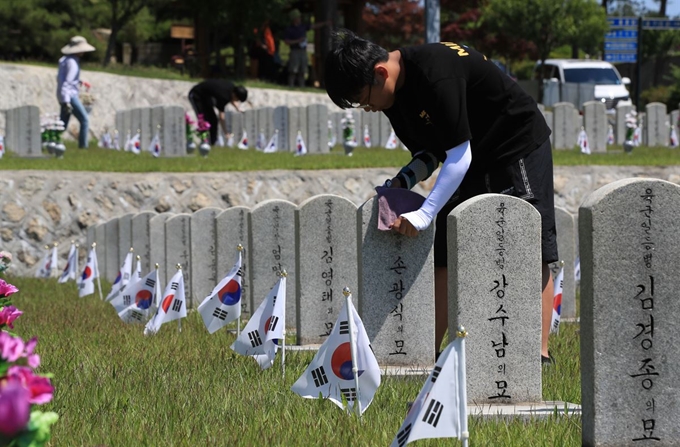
394 23
590 26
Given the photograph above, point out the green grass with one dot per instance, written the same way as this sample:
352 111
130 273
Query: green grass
230 159
115 387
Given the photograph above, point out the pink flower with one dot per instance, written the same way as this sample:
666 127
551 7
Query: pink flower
40 388
11 348
6 289
8 315
14 408
188 119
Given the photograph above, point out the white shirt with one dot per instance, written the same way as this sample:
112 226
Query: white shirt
68 78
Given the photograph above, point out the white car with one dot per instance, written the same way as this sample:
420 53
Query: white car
610 87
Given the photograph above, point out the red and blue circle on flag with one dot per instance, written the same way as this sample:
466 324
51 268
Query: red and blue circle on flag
87 273
143 299
230 294
341 362
167 301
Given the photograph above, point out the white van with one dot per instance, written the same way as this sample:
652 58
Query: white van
610 87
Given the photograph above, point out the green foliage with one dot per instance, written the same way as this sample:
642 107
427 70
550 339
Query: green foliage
116 387
661 93
37 433
590 25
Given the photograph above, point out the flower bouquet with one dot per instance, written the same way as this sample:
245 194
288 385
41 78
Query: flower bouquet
191 146
21 389
631 125
204 135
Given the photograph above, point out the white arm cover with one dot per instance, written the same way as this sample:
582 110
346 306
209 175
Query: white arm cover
450 177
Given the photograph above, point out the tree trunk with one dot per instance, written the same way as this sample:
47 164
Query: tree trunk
111 45
662 7
574 51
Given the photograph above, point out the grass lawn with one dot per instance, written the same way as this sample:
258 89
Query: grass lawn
230 159
114 387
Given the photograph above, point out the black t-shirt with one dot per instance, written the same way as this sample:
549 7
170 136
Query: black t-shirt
218 90
452 94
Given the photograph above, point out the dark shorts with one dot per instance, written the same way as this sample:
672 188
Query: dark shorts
529 178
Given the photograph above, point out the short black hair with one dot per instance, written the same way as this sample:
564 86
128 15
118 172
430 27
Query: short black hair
349 66
241 93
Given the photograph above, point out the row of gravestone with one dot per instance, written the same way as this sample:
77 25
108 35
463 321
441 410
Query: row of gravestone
168 121
565 122
629 237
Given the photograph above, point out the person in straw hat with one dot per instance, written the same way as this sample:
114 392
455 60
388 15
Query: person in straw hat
68 83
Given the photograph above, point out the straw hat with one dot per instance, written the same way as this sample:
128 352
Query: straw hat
78 44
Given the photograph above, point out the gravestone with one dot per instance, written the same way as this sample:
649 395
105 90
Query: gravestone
250 124
203 252
396 290
494 277
620 131
566 249
148 131
373 121
272 249
120 125
178 251
570 94
674 115
317 129
100 240
157 242
156 117
136 120
297 121
548 116
125 237
173 132
564 125
596 125
127 124
327 263
232 228
30 139
385 129
551 93
265 122
11 132
141 239
642 123
658 131
337 117
630 358
280 122
112 241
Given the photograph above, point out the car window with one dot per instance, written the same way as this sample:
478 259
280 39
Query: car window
549 71
591 75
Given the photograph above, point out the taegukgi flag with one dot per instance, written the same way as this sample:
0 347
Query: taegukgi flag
557 302
139 299
223 304
440 410
367 136
300 147
273 144
264 330
48 263
90 273
243 144
123 277
118 301
71 269
331 375
173 305
155 145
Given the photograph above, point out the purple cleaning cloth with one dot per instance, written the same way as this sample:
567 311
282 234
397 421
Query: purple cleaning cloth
393 202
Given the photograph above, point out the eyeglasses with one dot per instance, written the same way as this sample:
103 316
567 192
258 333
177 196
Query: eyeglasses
356 105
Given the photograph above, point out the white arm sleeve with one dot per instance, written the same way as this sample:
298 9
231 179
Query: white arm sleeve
450 177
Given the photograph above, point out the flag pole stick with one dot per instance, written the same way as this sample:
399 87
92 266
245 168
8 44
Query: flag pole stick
353 348
75 268
239 247
284 276
462 383
96 261
179 320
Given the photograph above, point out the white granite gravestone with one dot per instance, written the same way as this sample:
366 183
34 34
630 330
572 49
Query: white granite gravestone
120 126
566 249
280 122
232 227
396 291
337 117
11 130
658 131
127 124
317 128
112 264
148 131
327 259
494 277
272 249
548 116
596 125
673 118
157 242
100 239
156 116
620 131
204 252
265 122
136 120
250 125
373 121
297 121
125 237
178 251
630 356
141 238
173 132
564 125
385 129
29 142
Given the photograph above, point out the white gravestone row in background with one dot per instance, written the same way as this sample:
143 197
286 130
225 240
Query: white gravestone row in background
178 251
146 120
203 242
657 126
157 244
494 268
141 238
630 357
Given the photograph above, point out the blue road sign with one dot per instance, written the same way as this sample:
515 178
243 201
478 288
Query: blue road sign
660 24
620 46
620 57
622 22
621 34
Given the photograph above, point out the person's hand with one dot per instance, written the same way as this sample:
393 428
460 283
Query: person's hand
403 226
87 85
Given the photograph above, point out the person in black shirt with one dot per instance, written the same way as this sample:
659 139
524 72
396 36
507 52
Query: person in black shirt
216 93
451 105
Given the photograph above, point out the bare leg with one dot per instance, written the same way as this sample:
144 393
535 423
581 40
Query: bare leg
441 306
546 311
